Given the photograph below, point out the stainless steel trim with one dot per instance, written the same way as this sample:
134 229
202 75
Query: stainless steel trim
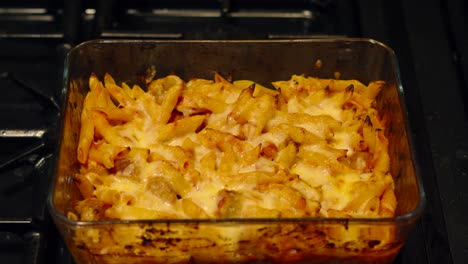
216 13
29 35
28 11
304 14
20 133
27 17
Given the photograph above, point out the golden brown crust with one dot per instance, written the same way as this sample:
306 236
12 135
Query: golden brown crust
219 149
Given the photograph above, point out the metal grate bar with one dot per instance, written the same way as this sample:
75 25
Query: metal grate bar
48 100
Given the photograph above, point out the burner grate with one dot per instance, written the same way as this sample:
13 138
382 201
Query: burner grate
30 80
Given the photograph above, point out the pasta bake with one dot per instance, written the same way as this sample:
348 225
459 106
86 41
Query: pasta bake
184 165
217 148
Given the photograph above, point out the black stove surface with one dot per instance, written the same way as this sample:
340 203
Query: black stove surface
427 37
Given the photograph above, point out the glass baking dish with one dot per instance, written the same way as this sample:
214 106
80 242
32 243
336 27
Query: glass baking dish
278 240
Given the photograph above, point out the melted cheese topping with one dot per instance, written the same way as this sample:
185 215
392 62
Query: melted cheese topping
208 149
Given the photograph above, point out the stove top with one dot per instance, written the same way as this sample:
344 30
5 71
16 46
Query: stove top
36 35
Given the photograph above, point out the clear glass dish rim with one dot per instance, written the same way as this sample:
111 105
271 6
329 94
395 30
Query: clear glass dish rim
403 219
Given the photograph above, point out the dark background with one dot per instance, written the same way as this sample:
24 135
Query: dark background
429 38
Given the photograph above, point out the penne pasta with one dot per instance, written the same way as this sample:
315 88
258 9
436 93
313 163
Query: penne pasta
215 148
